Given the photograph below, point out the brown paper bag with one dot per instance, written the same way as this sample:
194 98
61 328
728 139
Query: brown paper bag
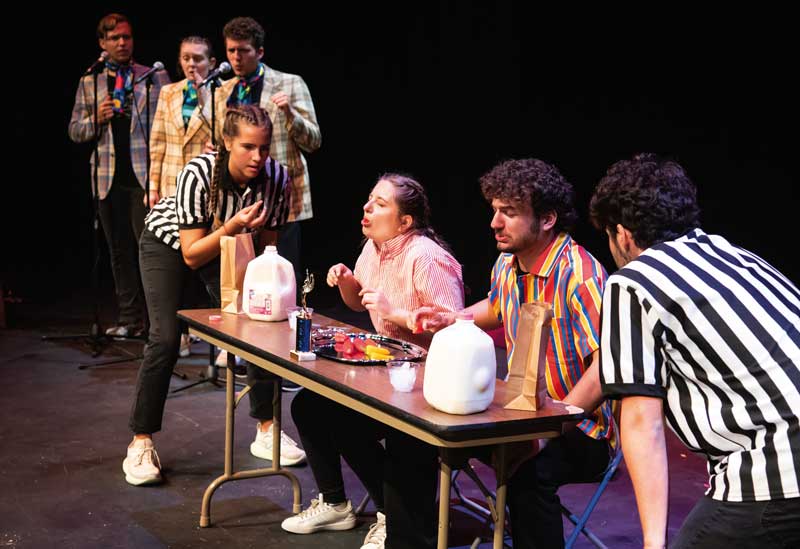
236 253
526 376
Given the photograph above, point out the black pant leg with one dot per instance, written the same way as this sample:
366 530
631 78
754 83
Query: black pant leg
312 416
164 274
412 468
116 212
263 387
534 505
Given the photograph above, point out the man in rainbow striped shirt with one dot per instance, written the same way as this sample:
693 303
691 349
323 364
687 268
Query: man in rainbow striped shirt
533 211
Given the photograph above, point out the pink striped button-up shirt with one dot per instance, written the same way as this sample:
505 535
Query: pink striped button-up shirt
412 271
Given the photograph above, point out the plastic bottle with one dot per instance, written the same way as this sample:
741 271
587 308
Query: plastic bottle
269 286
460 369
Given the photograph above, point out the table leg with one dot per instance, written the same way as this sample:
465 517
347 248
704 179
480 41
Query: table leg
500 503
205 507
444 502
276 446
229 474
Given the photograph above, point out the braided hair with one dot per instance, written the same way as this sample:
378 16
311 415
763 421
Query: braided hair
235 115
412 200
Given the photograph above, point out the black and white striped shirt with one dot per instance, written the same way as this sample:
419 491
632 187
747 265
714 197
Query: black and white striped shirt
713 330
187 209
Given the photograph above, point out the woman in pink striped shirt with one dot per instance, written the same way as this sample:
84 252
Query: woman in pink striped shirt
404 265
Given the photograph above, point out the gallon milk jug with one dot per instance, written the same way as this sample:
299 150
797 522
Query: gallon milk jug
460 369
269 286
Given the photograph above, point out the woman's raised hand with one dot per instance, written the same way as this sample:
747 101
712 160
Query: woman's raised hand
337 272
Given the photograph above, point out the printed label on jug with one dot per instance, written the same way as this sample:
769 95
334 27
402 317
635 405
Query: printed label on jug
260 303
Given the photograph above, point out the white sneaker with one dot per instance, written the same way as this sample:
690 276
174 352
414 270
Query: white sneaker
186 346
142 466
222 359
125 330
376 537
320 516
261 447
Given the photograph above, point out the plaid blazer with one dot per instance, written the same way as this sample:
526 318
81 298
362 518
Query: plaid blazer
291 135
172 146
81 125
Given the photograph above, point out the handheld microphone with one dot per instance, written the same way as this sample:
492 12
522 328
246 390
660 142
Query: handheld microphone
213 75
97 65
157 66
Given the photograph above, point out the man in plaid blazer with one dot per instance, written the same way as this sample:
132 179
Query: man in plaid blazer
288 102
122 154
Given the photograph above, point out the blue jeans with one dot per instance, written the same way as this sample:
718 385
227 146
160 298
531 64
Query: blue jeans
716 524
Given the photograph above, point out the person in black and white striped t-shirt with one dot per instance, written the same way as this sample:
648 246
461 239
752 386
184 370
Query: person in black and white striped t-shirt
239 190
707 334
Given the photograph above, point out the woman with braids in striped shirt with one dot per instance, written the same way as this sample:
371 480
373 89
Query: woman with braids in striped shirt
403 266
217 195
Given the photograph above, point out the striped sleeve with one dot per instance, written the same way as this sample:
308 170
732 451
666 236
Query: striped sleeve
361 267
162 222
437 281
631 361
585 304
192 193
495 289
277 193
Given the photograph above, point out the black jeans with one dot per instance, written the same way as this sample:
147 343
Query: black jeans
165 275
741 525
330 431
533 502
410 486
122 217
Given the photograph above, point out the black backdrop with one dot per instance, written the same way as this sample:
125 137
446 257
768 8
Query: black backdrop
442 91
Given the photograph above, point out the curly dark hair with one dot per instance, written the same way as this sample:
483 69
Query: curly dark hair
651 197
535 182
244 28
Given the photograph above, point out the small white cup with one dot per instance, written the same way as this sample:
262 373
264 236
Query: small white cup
292 312
402 375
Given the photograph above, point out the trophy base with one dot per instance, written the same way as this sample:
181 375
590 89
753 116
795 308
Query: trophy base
302 355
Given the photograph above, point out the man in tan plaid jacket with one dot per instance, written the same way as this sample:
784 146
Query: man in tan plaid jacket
287 100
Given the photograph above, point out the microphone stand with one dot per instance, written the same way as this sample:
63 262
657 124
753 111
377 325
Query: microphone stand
148 83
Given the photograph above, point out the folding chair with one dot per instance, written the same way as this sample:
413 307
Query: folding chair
580 522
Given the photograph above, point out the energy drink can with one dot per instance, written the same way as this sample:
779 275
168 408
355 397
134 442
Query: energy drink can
303 341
